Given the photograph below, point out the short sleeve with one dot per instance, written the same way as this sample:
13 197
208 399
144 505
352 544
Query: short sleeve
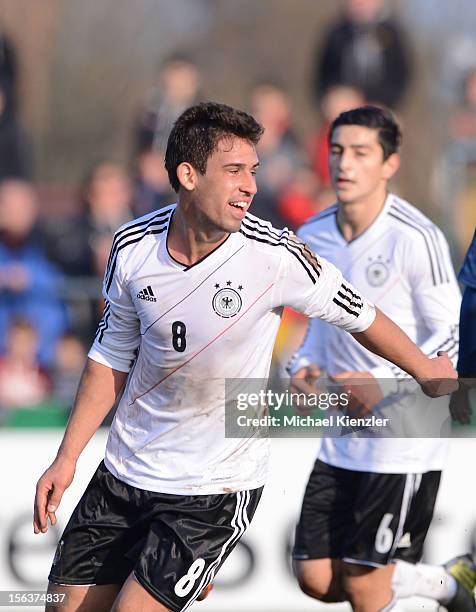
312 285
118 334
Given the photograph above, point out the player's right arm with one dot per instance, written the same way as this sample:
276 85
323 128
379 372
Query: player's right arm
315 287
436 375
98 390
110 359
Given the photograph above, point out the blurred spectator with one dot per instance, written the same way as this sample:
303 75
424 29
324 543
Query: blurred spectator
462 121
177 88
455 174
151 185
22 381
302 199
366 48
28 281
8 67
107 199
14 155
80 244
14 158
279 152
455 53
70 356
336 100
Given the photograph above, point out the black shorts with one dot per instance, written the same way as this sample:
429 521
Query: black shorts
365 517
174 544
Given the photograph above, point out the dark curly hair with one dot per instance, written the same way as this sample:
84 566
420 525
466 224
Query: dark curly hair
198 130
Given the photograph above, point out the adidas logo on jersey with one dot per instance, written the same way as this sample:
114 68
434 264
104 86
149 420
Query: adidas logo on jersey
147 294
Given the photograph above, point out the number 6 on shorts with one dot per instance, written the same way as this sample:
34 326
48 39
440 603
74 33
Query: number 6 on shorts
384 537
187 582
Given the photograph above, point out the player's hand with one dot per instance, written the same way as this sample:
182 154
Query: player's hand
49 491
460 406
362 389
440 378
304 381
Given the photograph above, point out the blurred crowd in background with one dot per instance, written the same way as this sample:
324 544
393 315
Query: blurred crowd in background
55 238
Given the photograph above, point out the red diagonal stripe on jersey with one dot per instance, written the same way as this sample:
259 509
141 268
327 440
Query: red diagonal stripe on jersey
193 290
206 345
387 290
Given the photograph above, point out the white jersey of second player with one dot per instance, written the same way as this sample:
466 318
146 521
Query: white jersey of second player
402 263
186 329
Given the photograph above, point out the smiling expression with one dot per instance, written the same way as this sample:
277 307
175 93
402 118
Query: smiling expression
223 195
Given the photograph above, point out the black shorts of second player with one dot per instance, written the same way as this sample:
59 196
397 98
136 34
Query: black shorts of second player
174 544
365 517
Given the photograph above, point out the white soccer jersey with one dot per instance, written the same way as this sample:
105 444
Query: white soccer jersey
402 263
186 329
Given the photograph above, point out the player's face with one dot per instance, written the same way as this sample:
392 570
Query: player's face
358 169
224 193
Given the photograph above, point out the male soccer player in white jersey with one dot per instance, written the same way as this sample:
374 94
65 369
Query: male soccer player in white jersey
194 294
369 500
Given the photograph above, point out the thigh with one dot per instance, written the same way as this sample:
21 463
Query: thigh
103 529
368 589
133 596
380 512
84 598
321 578
188 542
326 516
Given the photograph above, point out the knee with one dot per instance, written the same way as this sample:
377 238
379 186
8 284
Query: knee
367 588
313 587
317 583
357 590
